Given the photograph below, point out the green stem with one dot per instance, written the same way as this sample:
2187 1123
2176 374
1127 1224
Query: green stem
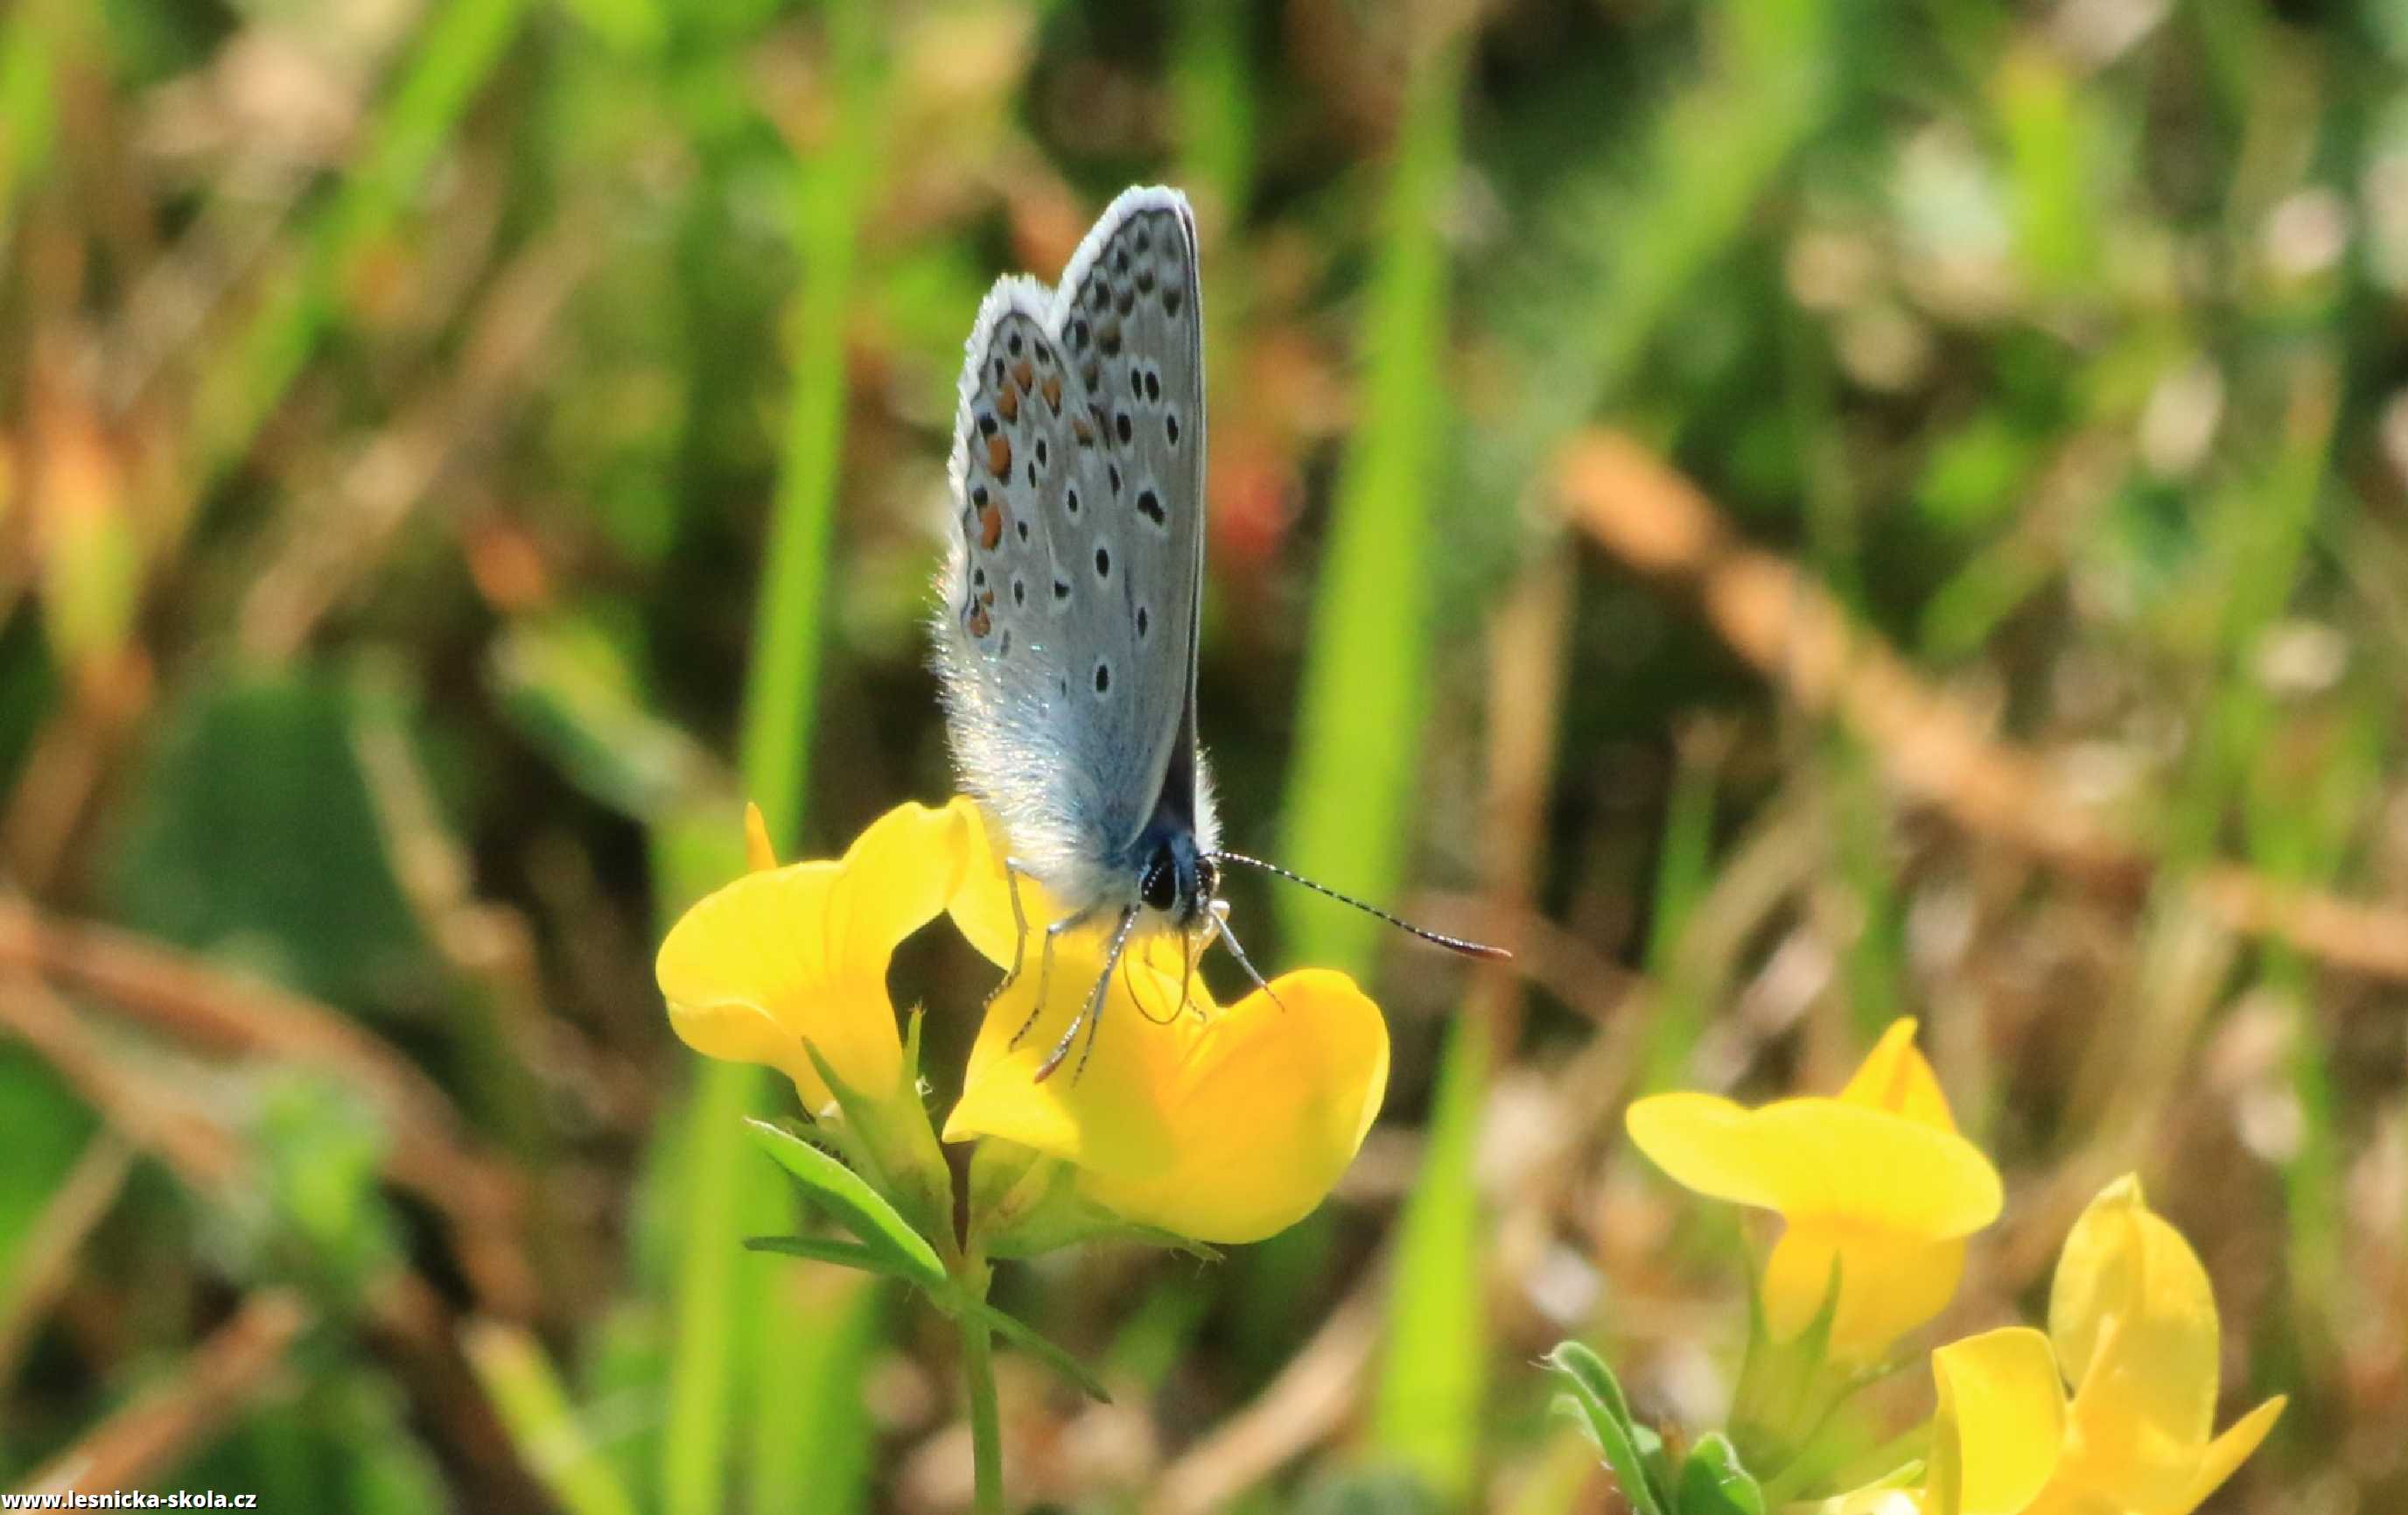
978 1368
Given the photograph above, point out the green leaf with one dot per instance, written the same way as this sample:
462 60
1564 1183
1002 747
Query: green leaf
844 1254
251 833
1713 1482
890 1144
1606 1416
862 1210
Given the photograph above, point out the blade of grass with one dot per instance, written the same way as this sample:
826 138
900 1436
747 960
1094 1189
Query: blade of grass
1683 872
1434 1377
821 1460
1617 262
2305 798
1215 85
729 1196
1351 796
241 386
29 48
1350 799
537 1413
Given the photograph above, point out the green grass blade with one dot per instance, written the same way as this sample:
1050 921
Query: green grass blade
1683 872
1214 84
537 1413
457 52
708 1369
1433 1378
29 46
1623 261
814 1439
705 1381
831 189
1352 793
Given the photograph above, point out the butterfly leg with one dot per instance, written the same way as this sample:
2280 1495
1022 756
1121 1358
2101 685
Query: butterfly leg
1012 874
1247 964
1045 970
1091 1013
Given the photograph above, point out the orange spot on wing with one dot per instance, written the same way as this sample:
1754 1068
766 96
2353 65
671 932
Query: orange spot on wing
1009 403
980 623
1052 387
990 526
998 456
1023 375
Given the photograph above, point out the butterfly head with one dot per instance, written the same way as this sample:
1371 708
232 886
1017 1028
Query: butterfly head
1177 879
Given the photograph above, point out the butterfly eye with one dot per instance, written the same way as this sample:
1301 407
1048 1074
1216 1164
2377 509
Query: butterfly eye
1158 886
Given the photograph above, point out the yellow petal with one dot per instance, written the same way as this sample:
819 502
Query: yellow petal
2135 1325
1263 1113
982 905
1108 1112
1822 1159
1896 1079
800 954
900 875
1889 1284
1999 1426
759 855
2229 1451
2062 1498
746 980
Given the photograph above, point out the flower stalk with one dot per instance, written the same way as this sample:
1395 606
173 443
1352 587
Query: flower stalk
971 1276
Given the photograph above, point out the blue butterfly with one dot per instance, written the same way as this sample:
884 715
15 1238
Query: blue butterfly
1069 602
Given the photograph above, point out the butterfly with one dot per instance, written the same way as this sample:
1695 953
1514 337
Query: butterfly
1069 602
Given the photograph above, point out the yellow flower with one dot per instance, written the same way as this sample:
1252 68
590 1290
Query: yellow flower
2136 1332
1220 1124
2133 1325
1876 1182
1994 1435
1223 1124
788 956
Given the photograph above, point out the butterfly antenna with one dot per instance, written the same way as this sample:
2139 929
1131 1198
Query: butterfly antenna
1452 943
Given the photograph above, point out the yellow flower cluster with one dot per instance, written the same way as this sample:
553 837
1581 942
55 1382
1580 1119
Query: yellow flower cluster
1877 1194
1222 1124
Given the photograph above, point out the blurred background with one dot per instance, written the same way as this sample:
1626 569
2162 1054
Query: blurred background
1789 514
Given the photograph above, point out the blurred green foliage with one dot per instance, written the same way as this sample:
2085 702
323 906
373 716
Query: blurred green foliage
457 451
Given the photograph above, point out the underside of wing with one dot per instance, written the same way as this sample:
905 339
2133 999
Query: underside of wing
1067 632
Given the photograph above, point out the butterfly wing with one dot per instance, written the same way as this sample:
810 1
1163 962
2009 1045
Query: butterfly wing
1066 630
1130 313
